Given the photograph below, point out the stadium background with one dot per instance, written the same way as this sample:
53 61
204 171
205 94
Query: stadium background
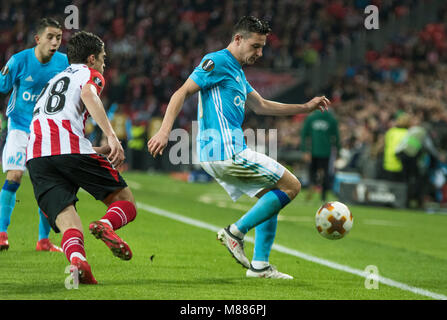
317 47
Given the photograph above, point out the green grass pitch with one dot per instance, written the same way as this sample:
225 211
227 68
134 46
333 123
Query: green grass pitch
177 260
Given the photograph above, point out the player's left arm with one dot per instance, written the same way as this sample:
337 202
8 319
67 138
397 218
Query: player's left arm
272 108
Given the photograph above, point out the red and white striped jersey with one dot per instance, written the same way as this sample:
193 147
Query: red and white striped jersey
58 124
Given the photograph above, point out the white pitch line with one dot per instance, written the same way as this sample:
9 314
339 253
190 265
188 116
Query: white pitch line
282 249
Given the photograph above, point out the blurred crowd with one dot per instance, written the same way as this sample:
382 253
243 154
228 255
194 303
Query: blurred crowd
154 45
408 77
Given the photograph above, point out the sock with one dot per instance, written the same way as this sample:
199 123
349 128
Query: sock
258 265
73 244
267 206
120 213
264 237
7 203
44 226
236 232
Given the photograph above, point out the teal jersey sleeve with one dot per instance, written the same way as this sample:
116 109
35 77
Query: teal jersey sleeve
8 74
248 86
209 72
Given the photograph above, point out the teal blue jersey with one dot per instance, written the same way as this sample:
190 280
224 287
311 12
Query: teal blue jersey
222 96
26 76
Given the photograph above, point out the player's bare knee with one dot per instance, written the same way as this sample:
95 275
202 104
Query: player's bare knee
68 219
120 195
14 175
126 195
293 188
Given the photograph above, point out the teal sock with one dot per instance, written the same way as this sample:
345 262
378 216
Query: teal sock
266 207
264 237
7 203
44 226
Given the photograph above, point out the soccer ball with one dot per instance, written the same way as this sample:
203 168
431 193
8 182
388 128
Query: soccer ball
333 220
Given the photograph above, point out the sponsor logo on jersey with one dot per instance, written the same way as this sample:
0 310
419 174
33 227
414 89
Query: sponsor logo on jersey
97 81
239 102
5 70
29 78
26 96
208 65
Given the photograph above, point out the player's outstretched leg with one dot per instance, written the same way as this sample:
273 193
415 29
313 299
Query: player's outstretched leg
232 237
267 206
288 188
44 243
264 237
7 204
270 202
119 213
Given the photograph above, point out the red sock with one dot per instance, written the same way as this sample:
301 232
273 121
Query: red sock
73 242
120 213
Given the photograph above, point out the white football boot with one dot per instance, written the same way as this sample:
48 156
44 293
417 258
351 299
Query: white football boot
234 245
267 272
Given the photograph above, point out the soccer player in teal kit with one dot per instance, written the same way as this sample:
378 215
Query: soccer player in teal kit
223 94
26 73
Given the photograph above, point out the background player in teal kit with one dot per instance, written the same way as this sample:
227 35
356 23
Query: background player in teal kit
26 73
223 94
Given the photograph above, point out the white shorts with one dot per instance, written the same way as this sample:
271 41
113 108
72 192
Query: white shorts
248 172
14 152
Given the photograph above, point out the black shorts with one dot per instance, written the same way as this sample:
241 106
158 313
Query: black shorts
315 165
57 179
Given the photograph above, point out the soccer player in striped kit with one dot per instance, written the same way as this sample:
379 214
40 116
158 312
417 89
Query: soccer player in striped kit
223 94
60 159
26 73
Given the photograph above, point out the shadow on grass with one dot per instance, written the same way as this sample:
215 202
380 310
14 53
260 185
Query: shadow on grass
30 290
210 283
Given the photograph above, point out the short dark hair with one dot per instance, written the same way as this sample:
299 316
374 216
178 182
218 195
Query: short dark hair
248 24
81 45
47 22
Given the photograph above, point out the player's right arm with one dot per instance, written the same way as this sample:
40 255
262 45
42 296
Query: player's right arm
96 109
159 141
